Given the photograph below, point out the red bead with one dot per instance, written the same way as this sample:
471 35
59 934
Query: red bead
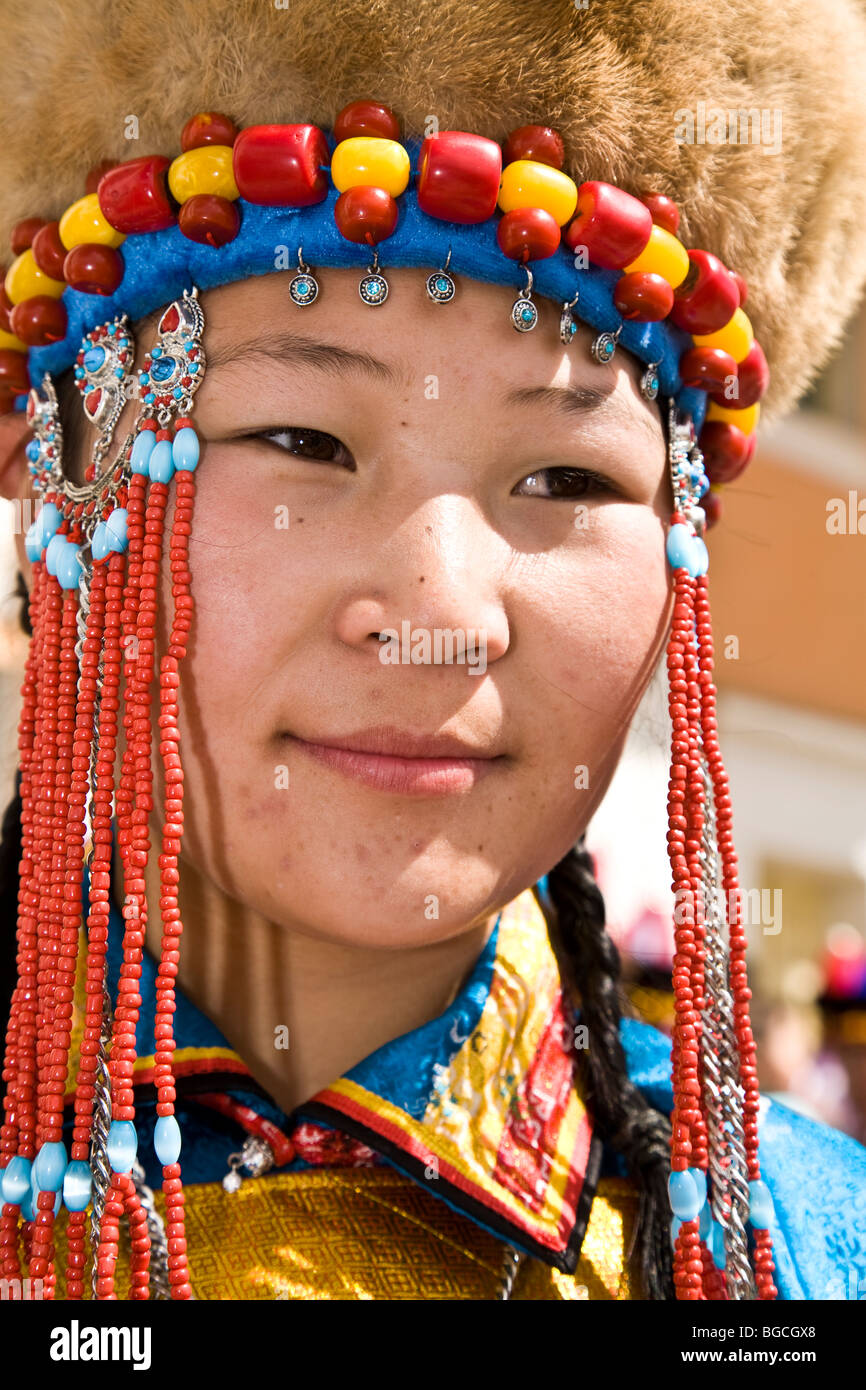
753 378
741 286
49 252
278 165
665 212
538 142
458 176
366 118
6 307
14 377
708 296
726 450
367 215
643 295
528 234
612 225
707 368
93 269
91 183
208 128
39 320
23 233
209 219
134 196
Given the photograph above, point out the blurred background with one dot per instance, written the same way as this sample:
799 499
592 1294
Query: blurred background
789 616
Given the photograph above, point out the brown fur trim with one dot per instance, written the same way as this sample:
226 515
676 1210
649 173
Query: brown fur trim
611 78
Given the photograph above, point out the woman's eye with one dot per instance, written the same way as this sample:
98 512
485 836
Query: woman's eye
310 444
563 483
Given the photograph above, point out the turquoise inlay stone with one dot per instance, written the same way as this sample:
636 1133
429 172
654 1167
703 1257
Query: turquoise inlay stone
121 1145
33 450
144 378
94 358
761 1211
163 369
157 352
50 1165
185 449
55 545
79 373
16 1179
69 566
193 368
161 465
166 1139
119 372
303 287
177 393
115 529
683 1194
142 449
442 285
99 546
77 1186
717 1248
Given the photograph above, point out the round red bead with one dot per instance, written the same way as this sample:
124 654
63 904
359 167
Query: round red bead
708 296
93 268
49 252
665 212
753 378
538 142
134 196
278 165
209 219
742 287
528 234
458 176
366 118
23 233
39 320
726 450
709 369
612 225
367 215
208 128
643 295
14 377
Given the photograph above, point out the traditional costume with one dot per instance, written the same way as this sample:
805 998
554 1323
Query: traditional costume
531 145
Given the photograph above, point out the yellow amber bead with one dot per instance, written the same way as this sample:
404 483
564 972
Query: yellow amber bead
24 279
665 255
11 343
206 169
526 183
745 419
83 223
370 160
736 337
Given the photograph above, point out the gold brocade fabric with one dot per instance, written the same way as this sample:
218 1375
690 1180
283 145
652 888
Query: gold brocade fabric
371 1233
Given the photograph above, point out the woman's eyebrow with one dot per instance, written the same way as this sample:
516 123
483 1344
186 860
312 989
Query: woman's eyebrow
286 346
574 400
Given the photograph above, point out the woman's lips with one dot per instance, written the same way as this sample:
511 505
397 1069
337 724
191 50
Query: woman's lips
438 768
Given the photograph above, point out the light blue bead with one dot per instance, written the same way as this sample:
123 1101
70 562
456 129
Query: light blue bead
16 1179
69 566
705 1222
77 1186
121 1145
142 449
35 1189
761 1212
26 1205
703 485
161 467
49 518
718 1246
52 553
675 1229
700 1178
115 529
32 543
185 449
50 1165
166 1139
99 546
684 1196
679 547
702 556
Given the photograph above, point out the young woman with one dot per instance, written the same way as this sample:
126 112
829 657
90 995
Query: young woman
341 606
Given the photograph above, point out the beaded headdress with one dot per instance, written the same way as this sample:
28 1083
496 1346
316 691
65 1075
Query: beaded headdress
292 192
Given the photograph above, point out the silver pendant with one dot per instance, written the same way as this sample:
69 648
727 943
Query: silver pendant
649 382
440 285
567 322
373 289
303 286
604 346
524 314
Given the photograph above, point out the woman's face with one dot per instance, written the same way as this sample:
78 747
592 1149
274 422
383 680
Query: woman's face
371 477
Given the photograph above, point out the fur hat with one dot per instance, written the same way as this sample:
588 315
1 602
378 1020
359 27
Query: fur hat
617 78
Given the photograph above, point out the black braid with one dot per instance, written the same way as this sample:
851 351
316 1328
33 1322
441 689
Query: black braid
590 966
